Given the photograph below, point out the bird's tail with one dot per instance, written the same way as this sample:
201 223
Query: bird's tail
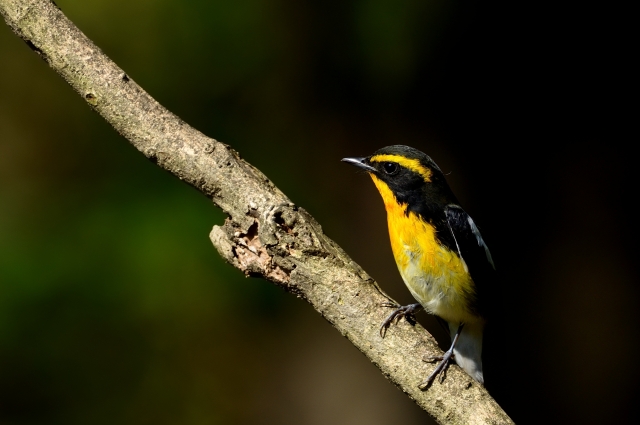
468 349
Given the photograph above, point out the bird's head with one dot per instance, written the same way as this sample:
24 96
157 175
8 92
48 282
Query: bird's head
406 176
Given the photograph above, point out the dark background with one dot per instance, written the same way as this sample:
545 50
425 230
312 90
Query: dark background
115 308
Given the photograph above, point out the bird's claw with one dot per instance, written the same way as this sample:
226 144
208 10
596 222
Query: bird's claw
406 311
431 359
441 369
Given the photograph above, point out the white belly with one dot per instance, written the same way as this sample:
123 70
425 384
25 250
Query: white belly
435 290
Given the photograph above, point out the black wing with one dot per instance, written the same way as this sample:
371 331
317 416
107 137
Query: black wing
475 253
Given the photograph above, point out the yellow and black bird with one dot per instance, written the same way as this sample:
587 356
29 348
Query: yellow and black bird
439 251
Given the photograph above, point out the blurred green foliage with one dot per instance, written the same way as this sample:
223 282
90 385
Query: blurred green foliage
115 308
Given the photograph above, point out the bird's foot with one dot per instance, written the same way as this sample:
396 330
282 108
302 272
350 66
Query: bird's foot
406 311
441 369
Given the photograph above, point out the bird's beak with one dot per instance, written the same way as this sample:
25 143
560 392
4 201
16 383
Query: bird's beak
360 162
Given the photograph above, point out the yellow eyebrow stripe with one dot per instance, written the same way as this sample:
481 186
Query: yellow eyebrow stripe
411 164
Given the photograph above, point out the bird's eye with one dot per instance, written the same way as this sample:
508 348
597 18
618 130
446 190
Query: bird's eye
390 167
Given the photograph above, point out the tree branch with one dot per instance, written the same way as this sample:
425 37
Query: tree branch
264 234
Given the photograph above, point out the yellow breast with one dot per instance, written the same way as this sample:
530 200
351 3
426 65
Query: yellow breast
436 276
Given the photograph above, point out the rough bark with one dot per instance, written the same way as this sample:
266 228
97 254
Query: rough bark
264 234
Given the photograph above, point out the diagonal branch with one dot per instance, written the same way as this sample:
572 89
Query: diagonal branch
264 234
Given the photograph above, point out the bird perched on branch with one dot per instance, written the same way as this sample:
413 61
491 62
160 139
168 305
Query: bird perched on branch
439 251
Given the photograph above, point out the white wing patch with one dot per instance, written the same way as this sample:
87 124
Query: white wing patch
481 243
464 263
